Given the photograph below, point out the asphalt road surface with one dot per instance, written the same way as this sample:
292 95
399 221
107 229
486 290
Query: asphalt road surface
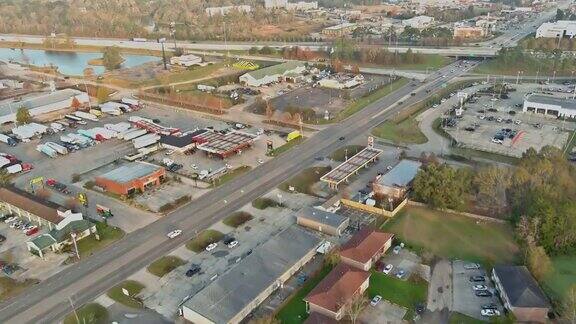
49 301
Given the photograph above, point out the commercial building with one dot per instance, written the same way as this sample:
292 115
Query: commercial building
224 145
302 5
469 32
58 239
131 177
332 295
521 294
396 182
559 29
233 295
43 104
289 71
418 22
339 30
180 143
275 4
322 221
341 81
186 60
365 248
550 106
350 167
42 212
227 9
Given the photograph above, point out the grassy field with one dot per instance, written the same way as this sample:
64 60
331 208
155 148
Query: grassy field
340 154
238 218
231 175
459 318
190 74
294 310
454 236
165 265
563 276
133 287
10 287
263 203
281 149
470 154
304 181
403 293
362 102
203 239
405 132
108 235
92 313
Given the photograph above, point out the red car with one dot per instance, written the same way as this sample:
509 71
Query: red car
32 231
26 167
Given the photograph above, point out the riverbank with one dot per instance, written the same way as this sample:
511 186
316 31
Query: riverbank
81 48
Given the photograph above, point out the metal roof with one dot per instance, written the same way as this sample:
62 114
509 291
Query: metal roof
235 290
40 101
401 174
353 164
548 100
321 216
278 69
220 144
131 171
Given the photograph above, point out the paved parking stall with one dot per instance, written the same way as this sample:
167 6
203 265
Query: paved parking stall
465 300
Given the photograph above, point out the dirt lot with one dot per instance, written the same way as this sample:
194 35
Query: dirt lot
483 120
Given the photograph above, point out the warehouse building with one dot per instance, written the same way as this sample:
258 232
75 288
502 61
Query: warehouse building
332 295
40 105
550 106
322 221
289 71
521 294
41 212
559 29
130 178
236 293
396 182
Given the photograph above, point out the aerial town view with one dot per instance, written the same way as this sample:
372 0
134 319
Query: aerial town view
287 161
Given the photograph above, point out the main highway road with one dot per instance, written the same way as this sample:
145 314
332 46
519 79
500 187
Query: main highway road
50 300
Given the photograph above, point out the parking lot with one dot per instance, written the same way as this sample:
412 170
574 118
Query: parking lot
465 299
499 125
404 263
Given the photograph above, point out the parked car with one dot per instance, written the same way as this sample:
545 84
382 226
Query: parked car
479 287
489 312
471 266
375 300
397 249
231 242
477 278
211 247
483 293
194 269
388 268
400 273
174 233
32 231
490 306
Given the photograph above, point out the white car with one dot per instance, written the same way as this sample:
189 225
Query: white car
397 249
471 266
194 167
211 247
174 234
260 161
388 268
518 122
480 287
375 300
497 141
232 244
490 312
169 152
10 219
400 274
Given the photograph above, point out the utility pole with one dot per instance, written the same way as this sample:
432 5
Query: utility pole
162 40
74 310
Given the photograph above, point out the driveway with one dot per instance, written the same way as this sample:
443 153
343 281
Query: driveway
384 312
440 289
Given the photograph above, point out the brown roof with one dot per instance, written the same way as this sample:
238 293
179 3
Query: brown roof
336 289
32 204
364 245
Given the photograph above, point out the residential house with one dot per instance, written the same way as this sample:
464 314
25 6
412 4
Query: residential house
365 248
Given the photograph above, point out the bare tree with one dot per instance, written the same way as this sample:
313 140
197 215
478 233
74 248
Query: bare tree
354 307
332 258
570 304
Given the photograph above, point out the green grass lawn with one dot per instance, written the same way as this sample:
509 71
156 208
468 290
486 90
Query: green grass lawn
562 277
203 239
165 265
10 287
238 218
469 154
231 174
108 235
192 73
294 310
362 102
303 181
340 154
454 236
288 145
92 313
263 203
459 318
404 293
405 132
133 287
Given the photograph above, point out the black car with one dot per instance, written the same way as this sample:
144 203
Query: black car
483 293
342 138
193 270
229 240
477 279
490 306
